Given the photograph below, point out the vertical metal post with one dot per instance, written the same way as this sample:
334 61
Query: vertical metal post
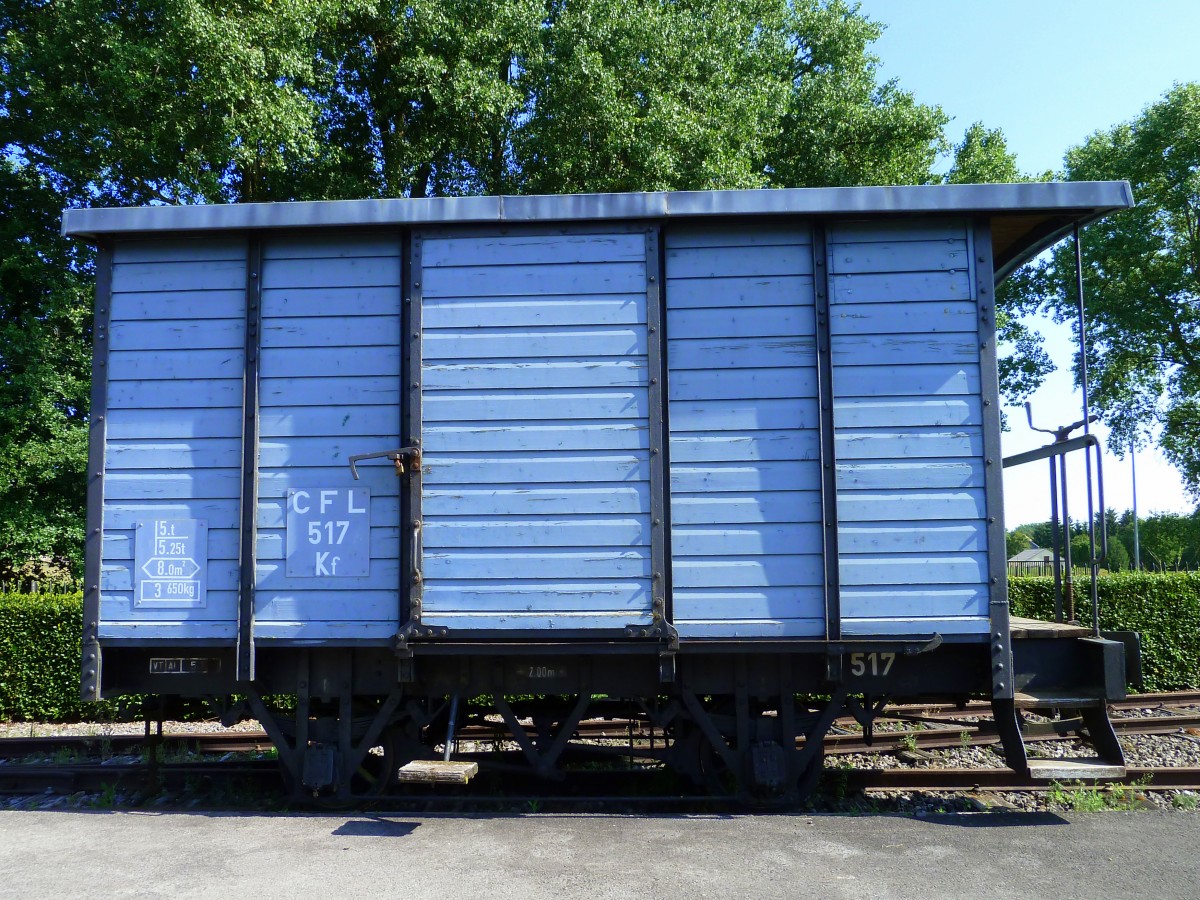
411 586
826 428
662 606
1000 632
1069 581
1093 559
1137 547
97 430
1055 542
345 722
247 555
449 748
303 714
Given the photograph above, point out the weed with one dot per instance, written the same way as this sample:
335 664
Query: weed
1081 798
161 754
1128 796
64 756
908 742
1077 797
1185 801
834 781
107 798
533 805
964 738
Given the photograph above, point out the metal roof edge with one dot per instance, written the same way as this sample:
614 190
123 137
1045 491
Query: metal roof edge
1079 199
1054 231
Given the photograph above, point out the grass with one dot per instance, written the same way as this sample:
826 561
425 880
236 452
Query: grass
1079 797
107 798
1187 802
65 756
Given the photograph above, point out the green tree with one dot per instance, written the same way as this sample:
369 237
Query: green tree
1118 555
1081 549
1015 542
842 126
149 101
1039 533
630 95
1142 280
44 377
983 157
421 98
1170 541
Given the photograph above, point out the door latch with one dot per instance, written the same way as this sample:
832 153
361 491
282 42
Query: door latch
406 460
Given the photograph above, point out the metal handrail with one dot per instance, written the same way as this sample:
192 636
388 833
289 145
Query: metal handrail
1060 448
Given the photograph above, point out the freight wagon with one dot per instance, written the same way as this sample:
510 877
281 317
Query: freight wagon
729 458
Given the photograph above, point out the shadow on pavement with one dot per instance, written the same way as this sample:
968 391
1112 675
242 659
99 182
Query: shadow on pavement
994 819
375 827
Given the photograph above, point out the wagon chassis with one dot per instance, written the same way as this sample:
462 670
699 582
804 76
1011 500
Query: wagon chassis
349 723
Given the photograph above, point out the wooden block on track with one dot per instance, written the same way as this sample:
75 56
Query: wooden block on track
436 771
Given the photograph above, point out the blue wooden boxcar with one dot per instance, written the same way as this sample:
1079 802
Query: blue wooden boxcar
730 444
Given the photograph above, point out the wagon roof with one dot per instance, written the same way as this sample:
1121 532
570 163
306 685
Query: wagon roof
1025 218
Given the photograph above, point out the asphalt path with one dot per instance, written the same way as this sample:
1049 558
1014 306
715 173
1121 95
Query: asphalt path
530 857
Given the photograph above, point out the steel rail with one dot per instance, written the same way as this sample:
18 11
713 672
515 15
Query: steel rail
66 779
120 744
950 734
934 779
73 777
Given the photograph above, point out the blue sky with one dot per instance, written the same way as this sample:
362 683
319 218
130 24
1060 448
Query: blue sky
1048 74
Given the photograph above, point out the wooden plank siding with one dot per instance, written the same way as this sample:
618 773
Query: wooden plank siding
329 387
744 450
538 478
908 429
536 431
174 397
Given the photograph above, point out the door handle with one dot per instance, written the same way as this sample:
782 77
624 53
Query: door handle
406 460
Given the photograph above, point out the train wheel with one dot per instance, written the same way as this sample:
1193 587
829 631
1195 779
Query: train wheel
377 771
694 757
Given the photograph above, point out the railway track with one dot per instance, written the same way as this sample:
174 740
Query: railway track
121 744
940 726
976 734
935 779
265 775
70 778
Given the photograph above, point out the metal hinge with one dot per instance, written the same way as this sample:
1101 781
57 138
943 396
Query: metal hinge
411 631
662 630
659 627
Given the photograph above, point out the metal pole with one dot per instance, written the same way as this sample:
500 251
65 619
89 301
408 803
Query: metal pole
1093 559
1056 557
1069 586
450 731
1137 548
1083 372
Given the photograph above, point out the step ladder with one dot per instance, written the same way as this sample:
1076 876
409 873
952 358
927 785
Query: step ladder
1091 713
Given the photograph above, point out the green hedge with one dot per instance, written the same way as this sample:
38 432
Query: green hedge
1164 607
39 657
